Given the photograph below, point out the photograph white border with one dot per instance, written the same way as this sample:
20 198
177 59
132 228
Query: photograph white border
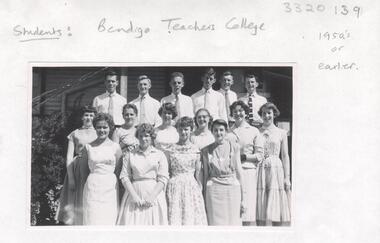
235 229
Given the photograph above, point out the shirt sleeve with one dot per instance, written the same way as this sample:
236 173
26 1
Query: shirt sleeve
95 103
191 108
126 170
71 136
222 108
258 144
157 118
193 102
236 156
163 170
234 97
231 136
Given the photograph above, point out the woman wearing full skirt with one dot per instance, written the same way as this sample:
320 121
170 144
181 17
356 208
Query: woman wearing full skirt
144 175
273 186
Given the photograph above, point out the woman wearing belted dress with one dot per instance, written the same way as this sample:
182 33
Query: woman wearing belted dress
222 178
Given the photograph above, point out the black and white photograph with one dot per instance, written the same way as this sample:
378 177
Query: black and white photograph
162 145
189 121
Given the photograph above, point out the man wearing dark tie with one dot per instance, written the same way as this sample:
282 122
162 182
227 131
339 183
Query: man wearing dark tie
253 100
230 96
183 103
111 102
208 98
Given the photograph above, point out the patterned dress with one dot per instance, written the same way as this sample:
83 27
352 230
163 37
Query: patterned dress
184 194
272 199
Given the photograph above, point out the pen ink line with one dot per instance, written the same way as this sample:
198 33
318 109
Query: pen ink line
52 38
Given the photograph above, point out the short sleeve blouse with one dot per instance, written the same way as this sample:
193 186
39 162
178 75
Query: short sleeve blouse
222 169
150 164
80 138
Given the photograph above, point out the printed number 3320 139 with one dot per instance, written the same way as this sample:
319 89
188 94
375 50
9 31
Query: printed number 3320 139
338 10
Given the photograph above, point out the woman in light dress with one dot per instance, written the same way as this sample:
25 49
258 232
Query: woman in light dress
251 153
223 178
184 189
144 175
166 133
100 194
273 186
202 136
125 135
71 198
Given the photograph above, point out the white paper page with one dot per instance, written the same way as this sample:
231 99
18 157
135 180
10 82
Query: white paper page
332 44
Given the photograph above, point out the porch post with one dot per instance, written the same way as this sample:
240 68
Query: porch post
124 82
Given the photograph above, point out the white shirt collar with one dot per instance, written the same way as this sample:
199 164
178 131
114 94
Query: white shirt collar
254 94
180 94
109 94
148 151
224 91
145 96
205 91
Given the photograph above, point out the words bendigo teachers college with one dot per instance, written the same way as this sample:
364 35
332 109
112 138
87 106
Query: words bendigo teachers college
179 25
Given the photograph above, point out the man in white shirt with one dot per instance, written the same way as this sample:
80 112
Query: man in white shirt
230 96
111 102
183 103
210 99
146 105
253 100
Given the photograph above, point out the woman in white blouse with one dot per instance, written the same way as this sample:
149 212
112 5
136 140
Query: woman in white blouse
166 133
125 135
202 135
144 176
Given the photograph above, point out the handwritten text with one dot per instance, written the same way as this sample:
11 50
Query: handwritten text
130 28
39 33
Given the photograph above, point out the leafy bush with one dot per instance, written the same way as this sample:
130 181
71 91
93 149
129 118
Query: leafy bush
48 167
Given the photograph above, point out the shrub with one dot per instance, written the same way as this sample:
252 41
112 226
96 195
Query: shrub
48 167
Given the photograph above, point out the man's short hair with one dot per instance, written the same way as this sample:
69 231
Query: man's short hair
251 75
111 72
142 77
209 72
176 74
227 73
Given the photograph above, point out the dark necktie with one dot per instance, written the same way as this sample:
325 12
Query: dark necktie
251 110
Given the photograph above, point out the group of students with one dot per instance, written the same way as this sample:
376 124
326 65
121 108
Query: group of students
161 166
